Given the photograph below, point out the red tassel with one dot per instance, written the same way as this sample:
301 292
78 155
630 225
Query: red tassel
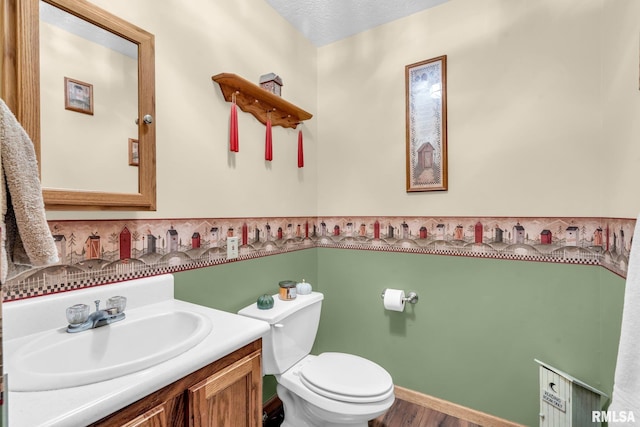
233 129
300 150
268 146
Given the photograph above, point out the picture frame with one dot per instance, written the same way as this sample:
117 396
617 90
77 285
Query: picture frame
78 96
426 125
134 153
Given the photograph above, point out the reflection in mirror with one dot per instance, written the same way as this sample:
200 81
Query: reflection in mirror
85 146
99 110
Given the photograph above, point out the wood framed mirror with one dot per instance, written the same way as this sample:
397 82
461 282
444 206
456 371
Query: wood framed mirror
82 119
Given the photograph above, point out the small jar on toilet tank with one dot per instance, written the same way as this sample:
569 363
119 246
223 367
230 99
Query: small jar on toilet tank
287 290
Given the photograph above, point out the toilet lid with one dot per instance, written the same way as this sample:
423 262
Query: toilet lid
347 378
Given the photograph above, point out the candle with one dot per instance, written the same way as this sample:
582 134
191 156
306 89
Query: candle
268 147
233 129
300 151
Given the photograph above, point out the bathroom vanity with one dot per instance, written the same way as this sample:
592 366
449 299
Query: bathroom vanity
167 363
226 392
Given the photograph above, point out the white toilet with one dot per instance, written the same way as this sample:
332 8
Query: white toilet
332 389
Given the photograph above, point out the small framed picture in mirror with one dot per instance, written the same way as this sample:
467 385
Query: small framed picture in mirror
134 158
78 96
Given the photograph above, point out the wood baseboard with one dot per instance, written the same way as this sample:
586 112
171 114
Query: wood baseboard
452 409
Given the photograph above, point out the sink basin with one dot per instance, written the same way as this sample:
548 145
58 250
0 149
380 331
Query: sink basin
56 359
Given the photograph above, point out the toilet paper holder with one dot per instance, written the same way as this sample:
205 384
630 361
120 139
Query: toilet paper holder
411 297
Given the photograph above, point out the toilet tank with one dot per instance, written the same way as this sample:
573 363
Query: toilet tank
294 325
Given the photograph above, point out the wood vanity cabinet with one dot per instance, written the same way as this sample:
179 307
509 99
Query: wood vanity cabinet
155 417
226 393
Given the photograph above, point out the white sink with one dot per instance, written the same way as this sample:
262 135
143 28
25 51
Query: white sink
56 359
57 379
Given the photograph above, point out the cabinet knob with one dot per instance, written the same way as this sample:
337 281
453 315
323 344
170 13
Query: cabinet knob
147 119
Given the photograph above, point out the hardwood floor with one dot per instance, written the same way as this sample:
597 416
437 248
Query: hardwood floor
412 409
405 414
401 414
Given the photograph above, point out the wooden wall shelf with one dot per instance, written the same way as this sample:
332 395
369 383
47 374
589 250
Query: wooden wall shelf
252 99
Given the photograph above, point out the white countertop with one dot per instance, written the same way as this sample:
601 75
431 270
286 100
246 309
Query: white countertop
85 404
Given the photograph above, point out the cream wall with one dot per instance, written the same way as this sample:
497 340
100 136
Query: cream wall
197 176
620 146
527 113
542 97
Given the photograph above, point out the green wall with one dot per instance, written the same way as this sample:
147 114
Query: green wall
235 285
472 337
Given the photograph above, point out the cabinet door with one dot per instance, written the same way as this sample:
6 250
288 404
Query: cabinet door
156 417
229 398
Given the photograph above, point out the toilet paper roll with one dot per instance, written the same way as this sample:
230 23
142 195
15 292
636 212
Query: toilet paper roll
394 299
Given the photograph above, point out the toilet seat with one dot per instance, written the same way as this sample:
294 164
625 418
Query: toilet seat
346 378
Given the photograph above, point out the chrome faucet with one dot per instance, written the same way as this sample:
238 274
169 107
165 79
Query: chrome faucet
80 319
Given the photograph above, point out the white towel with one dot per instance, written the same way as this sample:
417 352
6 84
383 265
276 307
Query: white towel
626 387
26 238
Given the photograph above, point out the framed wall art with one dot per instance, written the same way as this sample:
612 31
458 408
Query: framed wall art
134 156
78 96
426 127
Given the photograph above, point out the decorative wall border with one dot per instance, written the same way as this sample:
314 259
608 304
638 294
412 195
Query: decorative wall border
98 252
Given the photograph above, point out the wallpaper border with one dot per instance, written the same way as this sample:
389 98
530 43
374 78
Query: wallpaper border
98 252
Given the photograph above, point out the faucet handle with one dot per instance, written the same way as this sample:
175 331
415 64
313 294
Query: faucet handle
77 314
117 302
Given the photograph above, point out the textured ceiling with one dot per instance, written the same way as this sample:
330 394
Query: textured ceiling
326 21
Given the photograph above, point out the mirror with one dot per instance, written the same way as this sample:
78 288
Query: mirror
96 77
97 103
